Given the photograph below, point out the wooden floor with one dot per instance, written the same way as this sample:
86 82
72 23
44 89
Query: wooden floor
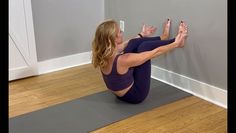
189 115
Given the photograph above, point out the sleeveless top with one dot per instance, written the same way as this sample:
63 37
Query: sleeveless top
115 81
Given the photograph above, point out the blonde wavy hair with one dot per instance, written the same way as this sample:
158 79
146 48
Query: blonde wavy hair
103 44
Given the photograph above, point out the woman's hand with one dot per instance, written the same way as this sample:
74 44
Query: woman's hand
147 30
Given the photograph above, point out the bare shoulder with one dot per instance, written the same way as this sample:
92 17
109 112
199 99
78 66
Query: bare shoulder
122 62
121 59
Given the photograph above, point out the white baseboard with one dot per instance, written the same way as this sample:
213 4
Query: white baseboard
64 62
205 91
22 72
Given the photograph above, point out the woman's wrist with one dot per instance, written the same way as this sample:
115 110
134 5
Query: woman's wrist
140 35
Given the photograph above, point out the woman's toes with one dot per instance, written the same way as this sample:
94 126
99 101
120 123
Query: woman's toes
181 28
166 29
167 25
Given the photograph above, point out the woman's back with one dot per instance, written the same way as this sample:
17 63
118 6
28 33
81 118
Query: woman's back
113 79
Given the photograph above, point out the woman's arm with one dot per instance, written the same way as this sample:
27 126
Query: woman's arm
146 31
135 59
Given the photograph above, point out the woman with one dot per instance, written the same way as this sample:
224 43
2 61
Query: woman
126 66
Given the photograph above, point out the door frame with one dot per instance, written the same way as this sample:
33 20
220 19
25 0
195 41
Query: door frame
32 69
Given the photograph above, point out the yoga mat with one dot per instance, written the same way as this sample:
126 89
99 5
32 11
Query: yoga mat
91 112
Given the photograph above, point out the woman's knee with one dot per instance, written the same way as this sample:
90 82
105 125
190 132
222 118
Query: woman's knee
142 47
135 41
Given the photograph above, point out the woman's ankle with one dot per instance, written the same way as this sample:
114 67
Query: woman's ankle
164 36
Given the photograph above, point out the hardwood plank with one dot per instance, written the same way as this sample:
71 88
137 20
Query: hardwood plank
181 118
146 121
215 123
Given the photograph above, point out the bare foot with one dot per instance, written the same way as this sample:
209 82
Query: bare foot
166 29
181 27
178 39
183 30
182 35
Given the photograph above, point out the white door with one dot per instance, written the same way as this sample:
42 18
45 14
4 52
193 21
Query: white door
22 49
